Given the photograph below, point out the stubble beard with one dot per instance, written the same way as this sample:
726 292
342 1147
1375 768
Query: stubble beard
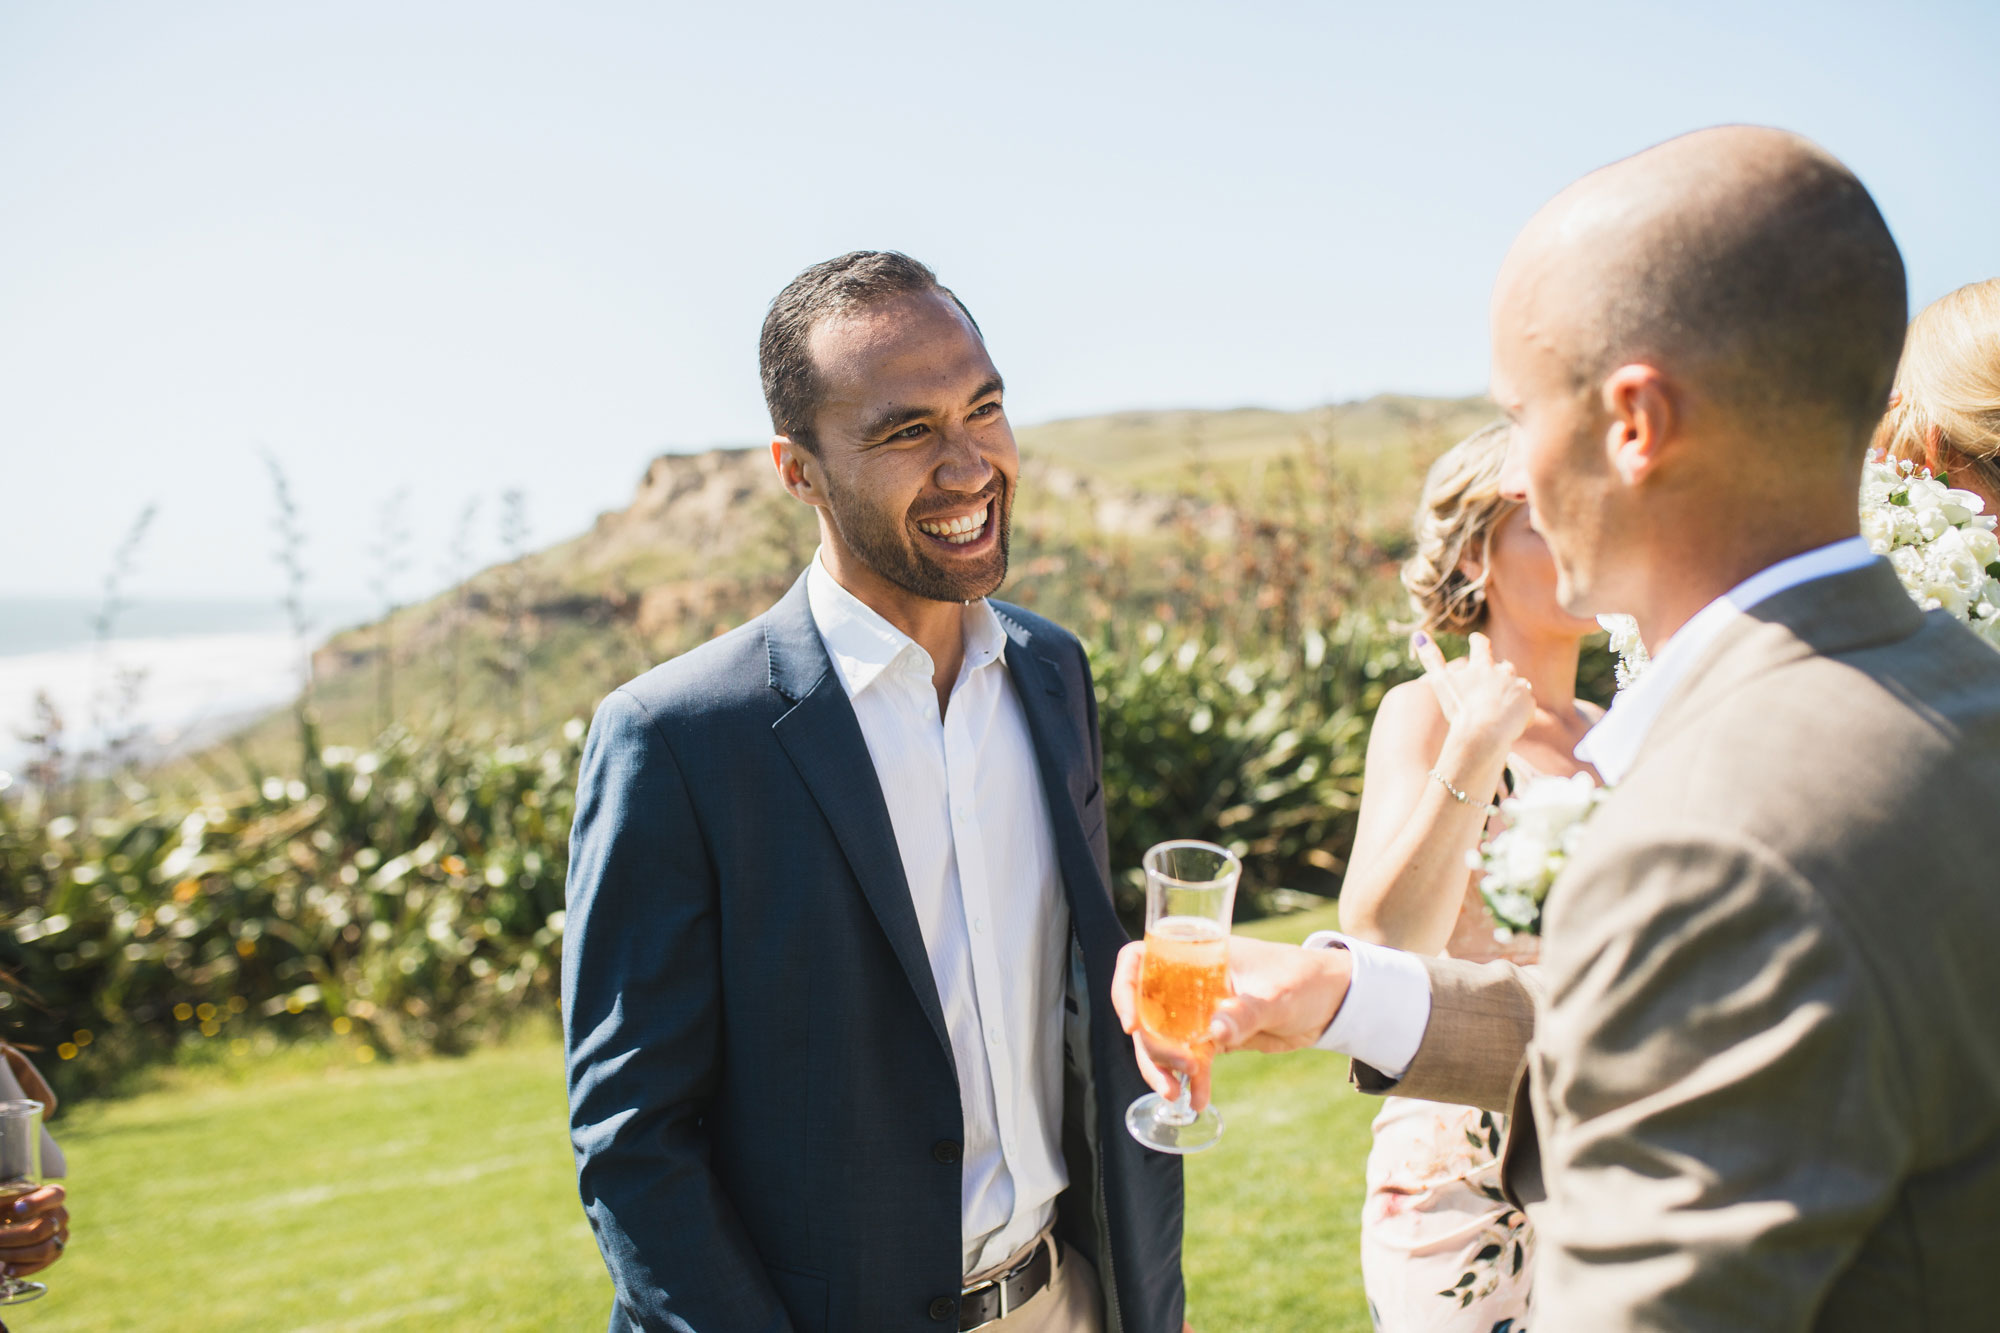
1572 583
1570 519
884 544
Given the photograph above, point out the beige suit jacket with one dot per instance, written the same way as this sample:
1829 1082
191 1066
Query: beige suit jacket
1756 1083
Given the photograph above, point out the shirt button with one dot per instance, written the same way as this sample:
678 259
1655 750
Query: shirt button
979 925
943 1308
945 1151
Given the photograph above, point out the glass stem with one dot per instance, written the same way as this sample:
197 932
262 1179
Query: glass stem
1183 1108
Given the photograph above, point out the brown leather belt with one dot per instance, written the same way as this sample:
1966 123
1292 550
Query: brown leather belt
994 1299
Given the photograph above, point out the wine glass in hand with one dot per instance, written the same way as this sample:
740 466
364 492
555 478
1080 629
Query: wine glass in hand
1190 894
20 1176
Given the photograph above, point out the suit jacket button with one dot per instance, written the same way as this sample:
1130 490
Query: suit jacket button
945 1151
942 1308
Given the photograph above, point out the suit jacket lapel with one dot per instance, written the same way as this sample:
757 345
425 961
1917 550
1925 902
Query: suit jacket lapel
1066 778
824 741
1835 614
1839 613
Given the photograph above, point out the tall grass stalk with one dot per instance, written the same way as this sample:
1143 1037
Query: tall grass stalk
115 689
458 576
390 560
289 528
512 659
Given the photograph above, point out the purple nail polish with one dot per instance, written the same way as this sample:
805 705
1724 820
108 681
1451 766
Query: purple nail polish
1422 639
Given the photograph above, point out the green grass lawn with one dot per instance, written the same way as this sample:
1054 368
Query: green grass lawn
1274 1210
431 1195
303 1191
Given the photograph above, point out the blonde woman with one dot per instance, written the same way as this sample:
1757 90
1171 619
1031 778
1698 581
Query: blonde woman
1945 411
1440 1248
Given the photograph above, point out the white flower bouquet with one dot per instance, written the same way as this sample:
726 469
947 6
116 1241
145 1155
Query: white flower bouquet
1543 825
1630 648
1939 540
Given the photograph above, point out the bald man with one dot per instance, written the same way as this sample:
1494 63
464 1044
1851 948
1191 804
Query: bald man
1755 1083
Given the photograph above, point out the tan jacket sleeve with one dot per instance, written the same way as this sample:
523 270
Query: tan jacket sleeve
1475 1047
1721 1115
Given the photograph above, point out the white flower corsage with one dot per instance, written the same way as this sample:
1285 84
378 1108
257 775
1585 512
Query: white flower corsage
1939 540
1633 658
1543 826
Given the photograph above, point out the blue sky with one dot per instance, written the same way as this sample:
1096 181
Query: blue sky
460 248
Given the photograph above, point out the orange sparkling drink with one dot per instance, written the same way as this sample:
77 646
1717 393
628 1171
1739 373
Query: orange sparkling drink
1184 976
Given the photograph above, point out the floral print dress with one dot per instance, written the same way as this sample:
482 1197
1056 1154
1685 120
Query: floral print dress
1442 1251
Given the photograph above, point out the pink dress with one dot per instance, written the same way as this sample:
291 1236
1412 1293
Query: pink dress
1442 1251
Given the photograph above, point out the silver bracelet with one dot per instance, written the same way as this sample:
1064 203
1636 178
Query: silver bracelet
1456 794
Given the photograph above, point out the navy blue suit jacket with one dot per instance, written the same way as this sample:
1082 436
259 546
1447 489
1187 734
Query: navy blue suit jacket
763 1100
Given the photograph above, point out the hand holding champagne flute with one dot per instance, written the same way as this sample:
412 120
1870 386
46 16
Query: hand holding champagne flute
21 1189
1280 998
1183 975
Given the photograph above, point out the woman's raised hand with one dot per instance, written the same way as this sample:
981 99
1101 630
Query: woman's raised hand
1486 701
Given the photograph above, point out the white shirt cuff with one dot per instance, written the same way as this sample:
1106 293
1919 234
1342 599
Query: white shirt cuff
1381 1021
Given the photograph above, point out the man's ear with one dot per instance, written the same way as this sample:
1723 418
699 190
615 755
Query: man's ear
1644 418
798 471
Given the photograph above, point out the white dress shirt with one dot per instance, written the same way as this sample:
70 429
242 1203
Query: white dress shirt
972 825
1613 744
1381 1022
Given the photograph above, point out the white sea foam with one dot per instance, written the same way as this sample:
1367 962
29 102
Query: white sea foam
191 686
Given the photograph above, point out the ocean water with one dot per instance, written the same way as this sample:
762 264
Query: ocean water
198 669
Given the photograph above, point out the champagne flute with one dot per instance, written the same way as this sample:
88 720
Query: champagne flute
20 1173
1190 893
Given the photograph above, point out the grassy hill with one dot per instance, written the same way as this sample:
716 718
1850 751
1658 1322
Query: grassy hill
1386 442
1112 512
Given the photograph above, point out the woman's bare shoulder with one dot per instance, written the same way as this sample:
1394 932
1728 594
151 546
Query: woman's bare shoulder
1410 713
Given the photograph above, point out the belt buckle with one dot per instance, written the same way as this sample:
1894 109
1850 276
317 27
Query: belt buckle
1000 1280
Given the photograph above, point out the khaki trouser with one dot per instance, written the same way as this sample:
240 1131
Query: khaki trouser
1073 1302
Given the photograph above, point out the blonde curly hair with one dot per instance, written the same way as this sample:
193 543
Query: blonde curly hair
1460 510
1948 382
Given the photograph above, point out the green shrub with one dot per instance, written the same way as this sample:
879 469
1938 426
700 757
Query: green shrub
409 895
1260 749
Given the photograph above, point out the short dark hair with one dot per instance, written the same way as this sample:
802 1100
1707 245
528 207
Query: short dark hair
1790 286
853 280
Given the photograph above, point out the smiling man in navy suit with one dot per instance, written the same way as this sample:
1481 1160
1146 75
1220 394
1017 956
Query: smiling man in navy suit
840 939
